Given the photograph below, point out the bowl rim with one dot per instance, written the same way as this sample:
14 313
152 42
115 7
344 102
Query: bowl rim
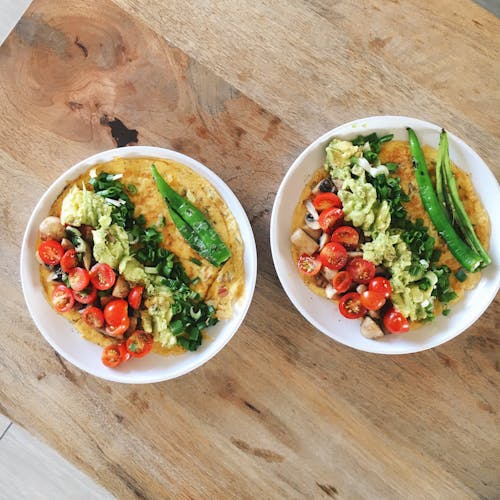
357 126
249 256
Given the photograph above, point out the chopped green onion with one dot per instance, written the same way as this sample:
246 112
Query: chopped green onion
461 275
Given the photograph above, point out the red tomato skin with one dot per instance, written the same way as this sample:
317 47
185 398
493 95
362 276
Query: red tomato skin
372 300
62 298
123 351
51 252
145 339
79 278
322 201
102 276
69 260
361 270
115 312
135 297
329 218
395 322
111 356
333 255
346 236
86 296
382 285
93 316
350 306
308 265
342 281
118 330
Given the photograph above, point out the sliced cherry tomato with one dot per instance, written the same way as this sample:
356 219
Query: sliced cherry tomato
322 201
50 251
123 351
342 281
308 265
118 330
346 236
111 356
395 322
328 218
93 316
361 270
372 300
86 296
78 278
139 344
62 298
350 306
69 260
382 285
102 276
135 297
333 255
115 312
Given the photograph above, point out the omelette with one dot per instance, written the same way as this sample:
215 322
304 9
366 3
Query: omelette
369 221
211 288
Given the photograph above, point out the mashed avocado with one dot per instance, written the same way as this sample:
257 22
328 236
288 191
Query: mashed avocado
389 250
158 300
160 313
110 245
344 161
358 196
80 206
132 270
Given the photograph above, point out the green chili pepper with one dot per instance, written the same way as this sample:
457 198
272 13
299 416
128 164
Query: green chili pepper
467 257
454 203
192 224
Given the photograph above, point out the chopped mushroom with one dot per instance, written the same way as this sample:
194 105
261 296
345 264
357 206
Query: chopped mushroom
52 229
370 329
303 242
121 288
315 234
66 244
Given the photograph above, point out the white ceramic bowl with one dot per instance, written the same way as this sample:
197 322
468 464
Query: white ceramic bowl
64 338
324 314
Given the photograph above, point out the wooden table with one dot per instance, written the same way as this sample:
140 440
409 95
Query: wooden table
282 411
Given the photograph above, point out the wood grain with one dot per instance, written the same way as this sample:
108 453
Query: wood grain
282 411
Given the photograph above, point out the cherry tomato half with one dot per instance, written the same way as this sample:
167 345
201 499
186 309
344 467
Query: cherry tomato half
118 330
86 296
62 298
395 322
102 276
350 306
322 201
135 297
78 278
328 218
93 316
308 265
115 312
333 255
382 285
69 260
346 236
111 356
342 281
361 270
50 251
372 300
139 344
